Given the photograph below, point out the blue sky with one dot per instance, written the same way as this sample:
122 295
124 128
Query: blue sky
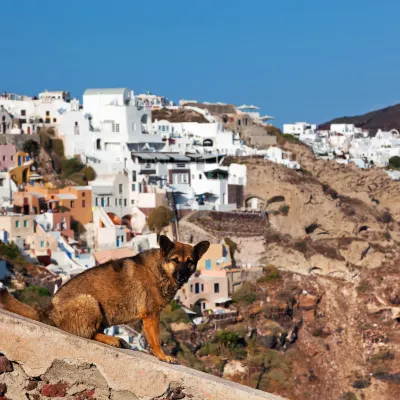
298 60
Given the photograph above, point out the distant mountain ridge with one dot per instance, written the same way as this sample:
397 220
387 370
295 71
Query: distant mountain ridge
386 119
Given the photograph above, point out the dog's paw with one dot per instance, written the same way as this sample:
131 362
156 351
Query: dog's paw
168 359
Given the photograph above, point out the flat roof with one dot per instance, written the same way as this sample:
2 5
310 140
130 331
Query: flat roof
105 91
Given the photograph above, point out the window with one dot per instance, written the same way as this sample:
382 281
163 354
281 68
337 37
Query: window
17 224
117 128
116 202
202 287
1 182
125 202
132 201
133 176
42 243
12 158
97 201
200 177
216 287
4 158
83 203
26 224
102 202
23 113
108 201
47 113
122 239
72 204
133 187
54 120
120 188
204 306
83 194
120 202
191 288
197 288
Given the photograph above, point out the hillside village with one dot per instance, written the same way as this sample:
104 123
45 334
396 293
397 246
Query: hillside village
303 225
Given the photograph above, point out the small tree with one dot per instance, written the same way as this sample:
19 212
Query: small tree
394 162
159 218
32 148
233 248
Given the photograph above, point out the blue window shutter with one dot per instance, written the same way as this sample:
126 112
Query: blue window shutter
208 264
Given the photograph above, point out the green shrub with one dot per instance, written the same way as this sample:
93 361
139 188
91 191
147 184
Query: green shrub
89 173
210 349
394 162
35 296
170 315
57 146
245 295
271 273
228 338
273 359
381 356
284 209
70 166
159 218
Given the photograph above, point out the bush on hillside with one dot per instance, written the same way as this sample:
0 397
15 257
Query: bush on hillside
89 173
70 166
394 162
245 295
271 273
35 296
159 218
32 148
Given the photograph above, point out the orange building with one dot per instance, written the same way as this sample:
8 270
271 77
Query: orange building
76 199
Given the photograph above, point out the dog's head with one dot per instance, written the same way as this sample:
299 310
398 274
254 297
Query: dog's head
180 260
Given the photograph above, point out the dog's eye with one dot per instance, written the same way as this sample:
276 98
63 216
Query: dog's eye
175 260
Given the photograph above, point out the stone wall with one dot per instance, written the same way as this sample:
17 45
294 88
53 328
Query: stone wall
41 362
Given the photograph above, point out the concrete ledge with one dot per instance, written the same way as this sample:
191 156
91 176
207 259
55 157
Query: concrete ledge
54 357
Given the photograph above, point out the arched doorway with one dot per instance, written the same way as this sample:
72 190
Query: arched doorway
114 218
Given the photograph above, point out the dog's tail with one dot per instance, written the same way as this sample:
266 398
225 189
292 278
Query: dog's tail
10 303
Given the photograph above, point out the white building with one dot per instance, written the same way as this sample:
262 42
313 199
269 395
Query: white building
279 156
299 129
35 112
112 121
154 101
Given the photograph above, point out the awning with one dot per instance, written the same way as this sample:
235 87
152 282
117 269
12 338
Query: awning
223 300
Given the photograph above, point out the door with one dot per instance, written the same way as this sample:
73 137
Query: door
118 241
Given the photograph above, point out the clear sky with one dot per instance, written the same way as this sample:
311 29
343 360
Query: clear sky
298 60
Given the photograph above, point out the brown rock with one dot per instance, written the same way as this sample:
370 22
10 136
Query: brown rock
3 389
30 385
5 365
308 302
55 390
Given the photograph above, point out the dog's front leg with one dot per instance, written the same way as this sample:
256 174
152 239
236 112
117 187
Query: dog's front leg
151 326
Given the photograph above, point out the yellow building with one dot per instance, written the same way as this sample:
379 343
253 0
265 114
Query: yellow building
24 170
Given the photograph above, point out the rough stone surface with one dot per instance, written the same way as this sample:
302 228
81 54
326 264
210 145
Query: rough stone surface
5 365
73 367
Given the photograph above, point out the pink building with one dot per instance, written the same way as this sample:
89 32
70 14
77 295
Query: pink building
7 156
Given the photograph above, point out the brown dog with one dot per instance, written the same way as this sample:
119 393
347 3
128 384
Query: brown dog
119 292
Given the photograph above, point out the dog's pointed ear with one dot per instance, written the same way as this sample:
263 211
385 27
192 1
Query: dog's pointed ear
165 244
201 248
